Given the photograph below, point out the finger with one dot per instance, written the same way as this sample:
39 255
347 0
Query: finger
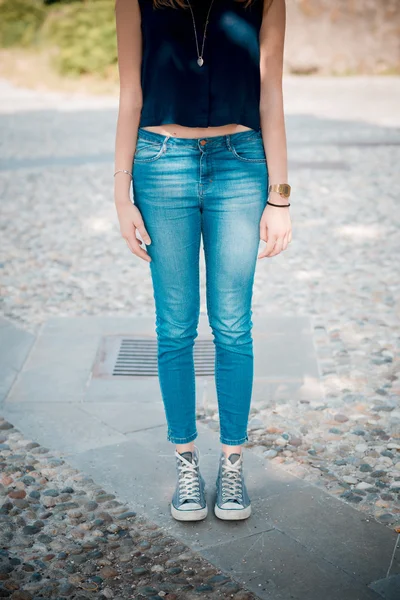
264 238
265 252
285 241
270 246
135 248
278 247
143 232
290 237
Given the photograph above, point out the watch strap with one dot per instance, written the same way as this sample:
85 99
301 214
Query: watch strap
283 189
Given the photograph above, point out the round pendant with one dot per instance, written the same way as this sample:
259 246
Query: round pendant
200 61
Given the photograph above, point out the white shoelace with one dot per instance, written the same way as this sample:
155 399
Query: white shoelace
231 481
189 484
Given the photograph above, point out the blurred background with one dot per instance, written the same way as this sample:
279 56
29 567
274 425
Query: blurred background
62 255
45 41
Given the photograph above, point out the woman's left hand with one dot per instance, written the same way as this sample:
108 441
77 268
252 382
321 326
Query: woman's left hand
275 230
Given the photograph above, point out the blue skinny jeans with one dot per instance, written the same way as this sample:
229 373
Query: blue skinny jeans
214 188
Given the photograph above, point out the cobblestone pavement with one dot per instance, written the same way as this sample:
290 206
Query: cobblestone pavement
63 255
63 536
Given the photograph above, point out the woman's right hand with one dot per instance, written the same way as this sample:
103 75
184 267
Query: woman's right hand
130 221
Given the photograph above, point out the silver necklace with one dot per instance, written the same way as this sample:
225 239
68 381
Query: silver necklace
200 60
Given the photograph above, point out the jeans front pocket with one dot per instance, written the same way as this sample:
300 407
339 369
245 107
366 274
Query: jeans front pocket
148 151
248 149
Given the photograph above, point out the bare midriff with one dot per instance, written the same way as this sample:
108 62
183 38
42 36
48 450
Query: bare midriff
175 130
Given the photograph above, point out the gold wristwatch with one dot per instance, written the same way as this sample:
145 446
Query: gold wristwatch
282 188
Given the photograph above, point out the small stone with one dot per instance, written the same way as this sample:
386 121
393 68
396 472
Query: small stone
126 515
378 474
52 493
281 441
67 490
17 494
204 587
28 480
363 485
21 595
350 479
147 591
365 468
140 571
387 497
6 425
340 418
270 453
31 445
255 423
49 502
30 530
66 589
93 554
45 539
350 497
104 497
361 447
108 572
386 518
105 517
387 453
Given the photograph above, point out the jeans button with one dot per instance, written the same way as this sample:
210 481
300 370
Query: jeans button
203 142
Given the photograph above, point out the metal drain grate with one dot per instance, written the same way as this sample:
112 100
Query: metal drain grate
136 356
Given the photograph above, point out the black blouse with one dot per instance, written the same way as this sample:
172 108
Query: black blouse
226 89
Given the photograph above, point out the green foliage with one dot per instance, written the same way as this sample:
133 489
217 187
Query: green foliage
81 33
20 22
85 36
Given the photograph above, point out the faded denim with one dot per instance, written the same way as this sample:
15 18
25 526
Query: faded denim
188 190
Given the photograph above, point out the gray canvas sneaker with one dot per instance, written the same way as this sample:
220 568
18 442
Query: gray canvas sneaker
232 500
189 501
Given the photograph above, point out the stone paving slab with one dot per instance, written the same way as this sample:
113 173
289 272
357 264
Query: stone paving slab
62 426
15 345
326 543
326 526
276 567
388 588
65 352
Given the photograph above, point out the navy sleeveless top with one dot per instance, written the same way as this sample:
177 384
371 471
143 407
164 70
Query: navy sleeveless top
226 89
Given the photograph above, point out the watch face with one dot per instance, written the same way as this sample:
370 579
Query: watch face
285 190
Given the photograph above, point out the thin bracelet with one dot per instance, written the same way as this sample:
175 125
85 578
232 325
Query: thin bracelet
280 205
123 171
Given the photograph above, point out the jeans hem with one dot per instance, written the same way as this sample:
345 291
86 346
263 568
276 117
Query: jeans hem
234 442
185 440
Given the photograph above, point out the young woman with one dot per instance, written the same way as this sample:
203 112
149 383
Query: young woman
201 111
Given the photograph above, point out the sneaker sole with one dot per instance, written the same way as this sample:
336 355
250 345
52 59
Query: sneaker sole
232 514
189 515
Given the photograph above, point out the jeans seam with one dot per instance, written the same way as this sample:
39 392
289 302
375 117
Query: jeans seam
162 151
184 440
232 149
234 442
